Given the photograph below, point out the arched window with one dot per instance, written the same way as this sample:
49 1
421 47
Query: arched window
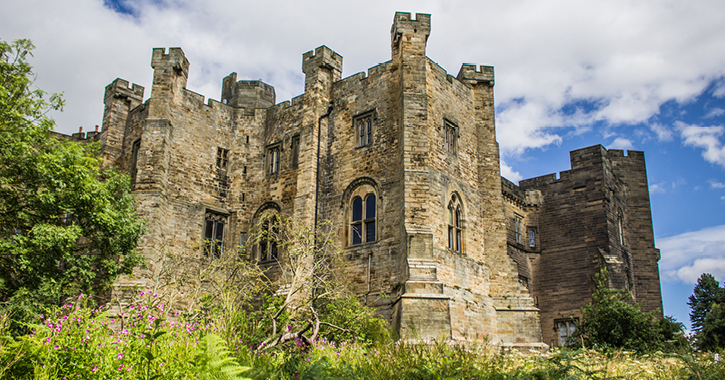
267 249
455 224
214 234
266 233
362 219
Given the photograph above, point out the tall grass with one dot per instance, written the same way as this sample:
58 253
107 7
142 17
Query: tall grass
78 342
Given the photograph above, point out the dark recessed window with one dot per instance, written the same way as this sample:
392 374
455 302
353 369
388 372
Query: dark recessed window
214 234
362 221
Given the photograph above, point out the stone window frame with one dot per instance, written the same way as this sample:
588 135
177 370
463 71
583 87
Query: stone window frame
620 227
532 237
135 152
213 234
222 159
273 158
363 126
295 152
569 325
518 221
451 131
456 223
265 249
362 224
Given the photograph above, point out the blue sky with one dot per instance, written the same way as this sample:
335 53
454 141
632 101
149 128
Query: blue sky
643 75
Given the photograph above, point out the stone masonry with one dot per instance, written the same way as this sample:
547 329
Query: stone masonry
403 161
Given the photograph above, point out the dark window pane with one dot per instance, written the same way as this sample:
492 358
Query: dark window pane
356 234
219 231
357 209
370 207
370 231
273 250
458 240
450 237
263 250
458 217
370 131
209 233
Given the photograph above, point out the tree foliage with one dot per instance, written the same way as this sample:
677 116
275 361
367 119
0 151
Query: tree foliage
707 305
613 320
66 226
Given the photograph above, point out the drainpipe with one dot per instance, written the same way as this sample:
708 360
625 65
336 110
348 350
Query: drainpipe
317 175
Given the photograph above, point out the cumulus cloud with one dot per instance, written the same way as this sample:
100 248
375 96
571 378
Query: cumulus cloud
509 173
559 66
707 138
716 185
621 143
663 133
657 188
686 256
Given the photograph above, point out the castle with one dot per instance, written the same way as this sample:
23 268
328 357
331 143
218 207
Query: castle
403 161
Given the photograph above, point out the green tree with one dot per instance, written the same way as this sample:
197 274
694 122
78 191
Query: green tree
66 226
613 320
707 315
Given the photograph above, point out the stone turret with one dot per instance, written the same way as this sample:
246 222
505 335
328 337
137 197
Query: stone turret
170 72
118 100
247 93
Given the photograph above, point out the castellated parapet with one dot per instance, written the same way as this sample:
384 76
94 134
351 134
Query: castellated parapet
404 164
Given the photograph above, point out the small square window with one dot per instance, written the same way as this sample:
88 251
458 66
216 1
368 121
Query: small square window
451 137
364 129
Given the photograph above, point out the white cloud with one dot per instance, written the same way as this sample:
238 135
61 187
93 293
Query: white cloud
509 173
707 138
686 256
714 113
621 143
656 188
663 133
559 65
716 185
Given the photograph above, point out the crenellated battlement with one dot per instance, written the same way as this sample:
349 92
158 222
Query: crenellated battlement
404 24
246 93
322 57
119 88
175 59
469 74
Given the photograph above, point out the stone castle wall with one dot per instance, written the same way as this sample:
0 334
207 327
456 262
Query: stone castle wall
431 146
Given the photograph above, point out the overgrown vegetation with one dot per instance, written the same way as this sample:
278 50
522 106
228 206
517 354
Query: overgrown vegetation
76 341
614 320
66 226
708 313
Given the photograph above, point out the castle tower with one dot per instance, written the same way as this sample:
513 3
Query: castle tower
118 100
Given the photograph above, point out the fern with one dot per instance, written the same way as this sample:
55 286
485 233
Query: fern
215 363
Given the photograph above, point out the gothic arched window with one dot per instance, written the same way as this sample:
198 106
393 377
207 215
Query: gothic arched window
362 219
455 224
266 235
